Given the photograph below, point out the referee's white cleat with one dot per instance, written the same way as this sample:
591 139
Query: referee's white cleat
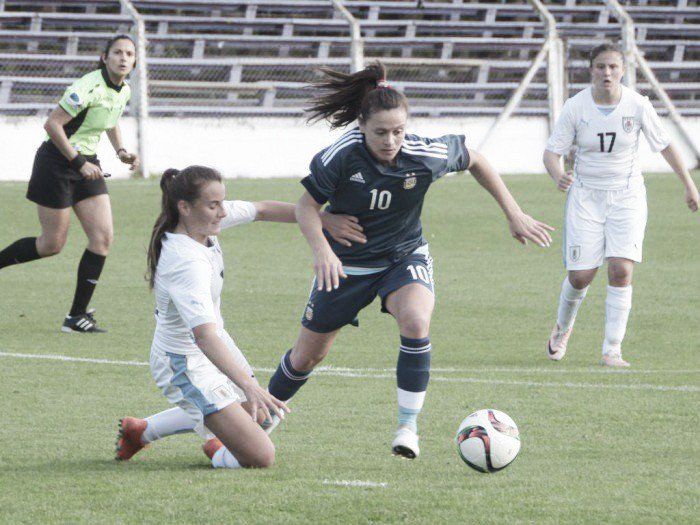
82 324
614 360
556 345
405 443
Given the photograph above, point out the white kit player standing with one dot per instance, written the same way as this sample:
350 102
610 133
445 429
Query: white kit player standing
606 206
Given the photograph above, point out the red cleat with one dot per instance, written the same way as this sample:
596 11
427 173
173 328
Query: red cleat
129 438
211 447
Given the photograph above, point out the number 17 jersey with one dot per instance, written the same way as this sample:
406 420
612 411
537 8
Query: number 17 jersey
607 144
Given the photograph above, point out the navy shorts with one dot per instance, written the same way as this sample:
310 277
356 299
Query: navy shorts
328 311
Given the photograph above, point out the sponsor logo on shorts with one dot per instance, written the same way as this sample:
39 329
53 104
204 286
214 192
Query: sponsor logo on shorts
410 181
309 313
628 124
574 253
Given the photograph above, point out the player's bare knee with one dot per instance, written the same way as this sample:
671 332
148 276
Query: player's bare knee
48 246
263 458
619 275
580 280
415 324
101 242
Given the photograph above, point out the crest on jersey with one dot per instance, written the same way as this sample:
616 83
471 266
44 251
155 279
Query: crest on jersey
574 253
410 181
628 124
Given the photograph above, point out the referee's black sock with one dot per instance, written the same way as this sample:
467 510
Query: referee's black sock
89 271
21 251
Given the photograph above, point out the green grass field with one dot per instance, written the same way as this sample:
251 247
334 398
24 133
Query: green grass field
599 446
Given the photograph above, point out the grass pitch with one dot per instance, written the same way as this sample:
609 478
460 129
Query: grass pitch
599 446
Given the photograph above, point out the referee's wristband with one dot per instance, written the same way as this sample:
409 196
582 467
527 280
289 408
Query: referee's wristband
120 150
77 162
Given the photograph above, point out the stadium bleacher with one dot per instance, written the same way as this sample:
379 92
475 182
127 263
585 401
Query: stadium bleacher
257 57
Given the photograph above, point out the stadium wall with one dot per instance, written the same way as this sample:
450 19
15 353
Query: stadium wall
283 147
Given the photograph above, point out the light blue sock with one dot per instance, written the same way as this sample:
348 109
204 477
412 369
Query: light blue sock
409 418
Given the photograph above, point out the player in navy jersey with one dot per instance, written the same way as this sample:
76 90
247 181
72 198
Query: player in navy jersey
379 173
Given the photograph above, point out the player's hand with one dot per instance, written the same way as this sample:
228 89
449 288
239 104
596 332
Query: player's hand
565 181
260 401
524 227
130 158
345 229
328 269
691 197
91 171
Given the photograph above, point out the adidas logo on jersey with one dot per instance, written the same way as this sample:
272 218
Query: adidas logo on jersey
358 178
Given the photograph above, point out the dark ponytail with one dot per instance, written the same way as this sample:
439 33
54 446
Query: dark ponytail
355 96
176 185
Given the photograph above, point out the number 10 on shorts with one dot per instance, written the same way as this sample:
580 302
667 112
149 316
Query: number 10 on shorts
419 272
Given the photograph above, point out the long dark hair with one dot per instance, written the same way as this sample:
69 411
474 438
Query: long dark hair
176 185
602 48
110 43
354 96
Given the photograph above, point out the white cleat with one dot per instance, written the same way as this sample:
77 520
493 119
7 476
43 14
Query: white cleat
405 443
556 346
614 360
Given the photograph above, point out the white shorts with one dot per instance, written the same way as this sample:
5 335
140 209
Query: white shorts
599 224
193 383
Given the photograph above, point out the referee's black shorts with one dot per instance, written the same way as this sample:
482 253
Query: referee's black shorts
55 184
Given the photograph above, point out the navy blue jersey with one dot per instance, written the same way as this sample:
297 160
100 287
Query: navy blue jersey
387 200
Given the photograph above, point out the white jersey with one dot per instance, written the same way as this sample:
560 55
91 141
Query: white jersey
606 157
188 282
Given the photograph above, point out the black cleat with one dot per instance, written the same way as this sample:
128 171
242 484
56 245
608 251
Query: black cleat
82 324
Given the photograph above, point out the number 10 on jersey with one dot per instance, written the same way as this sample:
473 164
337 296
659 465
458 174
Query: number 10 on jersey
380 199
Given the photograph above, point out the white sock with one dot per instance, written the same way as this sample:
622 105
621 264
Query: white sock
224 459
569 301
618 304
167 423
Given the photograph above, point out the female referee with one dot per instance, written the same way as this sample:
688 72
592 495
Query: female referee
67 174
380 174
606 206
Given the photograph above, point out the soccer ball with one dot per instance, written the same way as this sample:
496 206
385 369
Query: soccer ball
488 440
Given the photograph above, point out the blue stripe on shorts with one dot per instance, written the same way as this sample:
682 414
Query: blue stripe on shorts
178 364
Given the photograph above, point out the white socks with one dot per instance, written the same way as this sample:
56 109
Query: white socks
167 423
618 304
569 301
224 459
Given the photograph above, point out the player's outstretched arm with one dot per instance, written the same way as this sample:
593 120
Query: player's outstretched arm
673 158
343 228
562 178
327 266
216 351
522 226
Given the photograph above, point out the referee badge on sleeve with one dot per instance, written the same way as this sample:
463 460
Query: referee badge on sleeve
74 100
628 124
